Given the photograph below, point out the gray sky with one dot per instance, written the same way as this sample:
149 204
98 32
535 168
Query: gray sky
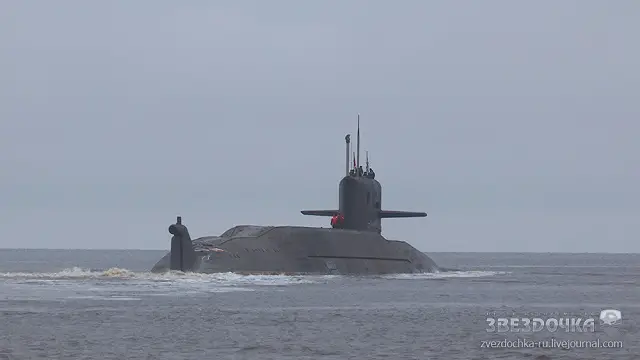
513 124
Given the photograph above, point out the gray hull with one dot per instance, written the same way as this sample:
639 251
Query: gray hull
294 250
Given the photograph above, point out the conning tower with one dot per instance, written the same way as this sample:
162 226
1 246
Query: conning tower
360 197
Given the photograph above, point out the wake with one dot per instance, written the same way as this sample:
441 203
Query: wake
77 273
445 275
126 285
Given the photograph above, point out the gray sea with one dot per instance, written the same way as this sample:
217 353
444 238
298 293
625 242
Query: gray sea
91 304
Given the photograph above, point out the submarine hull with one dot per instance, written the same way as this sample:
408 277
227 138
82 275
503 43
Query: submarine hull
248 249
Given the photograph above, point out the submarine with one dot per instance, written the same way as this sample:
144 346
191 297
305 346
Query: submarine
353 245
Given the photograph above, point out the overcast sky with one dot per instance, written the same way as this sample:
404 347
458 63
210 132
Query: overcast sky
515 125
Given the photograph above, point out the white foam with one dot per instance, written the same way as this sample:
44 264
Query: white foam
104 285
444 275
124 285
117 275
94 297
607 266
173 276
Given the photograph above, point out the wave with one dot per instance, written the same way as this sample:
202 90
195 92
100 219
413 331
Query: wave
220 279
126 285
444 275
77 273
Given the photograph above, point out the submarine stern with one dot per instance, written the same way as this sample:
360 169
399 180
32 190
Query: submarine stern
182 256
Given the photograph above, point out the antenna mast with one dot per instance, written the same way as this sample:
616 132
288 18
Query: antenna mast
354 160
358 145
367 163
347 140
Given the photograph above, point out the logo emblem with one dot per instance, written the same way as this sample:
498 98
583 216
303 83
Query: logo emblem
610 317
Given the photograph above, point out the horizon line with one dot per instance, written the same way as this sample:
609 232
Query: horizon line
425 252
